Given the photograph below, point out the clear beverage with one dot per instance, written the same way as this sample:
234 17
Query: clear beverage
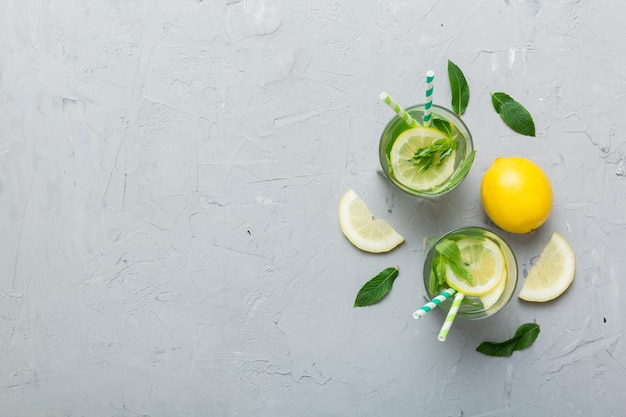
463 155
474 307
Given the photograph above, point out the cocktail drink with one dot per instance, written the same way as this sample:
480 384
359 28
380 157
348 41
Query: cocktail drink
426 161
475 262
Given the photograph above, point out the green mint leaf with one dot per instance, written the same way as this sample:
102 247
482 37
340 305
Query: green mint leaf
441 271
445 154
449 249
459 87
525 336
464 168
432 282
442 125
458 269
377 288
451 254
513 114
437 274
474 302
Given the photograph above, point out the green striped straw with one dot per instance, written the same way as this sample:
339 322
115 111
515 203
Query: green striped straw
430 78
399 110
450 317
445 294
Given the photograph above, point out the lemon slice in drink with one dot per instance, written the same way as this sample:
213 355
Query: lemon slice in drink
492 297
484 261
362 229
552 274
405 171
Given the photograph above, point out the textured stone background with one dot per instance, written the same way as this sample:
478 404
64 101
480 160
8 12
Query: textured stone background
169 180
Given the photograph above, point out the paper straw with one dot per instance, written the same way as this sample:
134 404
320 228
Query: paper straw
445 294
399 110
450 317
430 78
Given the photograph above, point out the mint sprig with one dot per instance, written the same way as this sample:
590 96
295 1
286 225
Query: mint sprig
438 152
459 88
525 336
513 114
377 288
448 255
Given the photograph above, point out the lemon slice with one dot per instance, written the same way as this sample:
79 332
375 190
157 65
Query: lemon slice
403 168
484 261
492 297
362 229
552 274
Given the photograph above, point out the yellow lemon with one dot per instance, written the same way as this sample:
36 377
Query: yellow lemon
516 194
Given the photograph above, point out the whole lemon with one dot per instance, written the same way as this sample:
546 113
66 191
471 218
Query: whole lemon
516 194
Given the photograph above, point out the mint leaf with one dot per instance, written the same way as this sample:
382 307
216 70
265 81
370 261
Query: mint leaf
459 87
377 288
513 114
449 249
451 254
442 126
437 274
458 269
433 282
525 336
464 168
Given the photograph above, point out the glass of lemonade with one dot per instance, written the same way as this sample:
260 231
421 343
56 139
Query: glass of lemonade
489 260
398 147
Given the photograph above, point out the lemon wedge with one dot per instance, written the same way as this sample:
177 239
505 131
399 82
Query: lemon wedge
552 274
485 262
362 229
403 167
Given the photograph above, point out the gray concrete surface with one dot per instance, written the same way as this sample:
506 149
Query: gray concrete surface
169 179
